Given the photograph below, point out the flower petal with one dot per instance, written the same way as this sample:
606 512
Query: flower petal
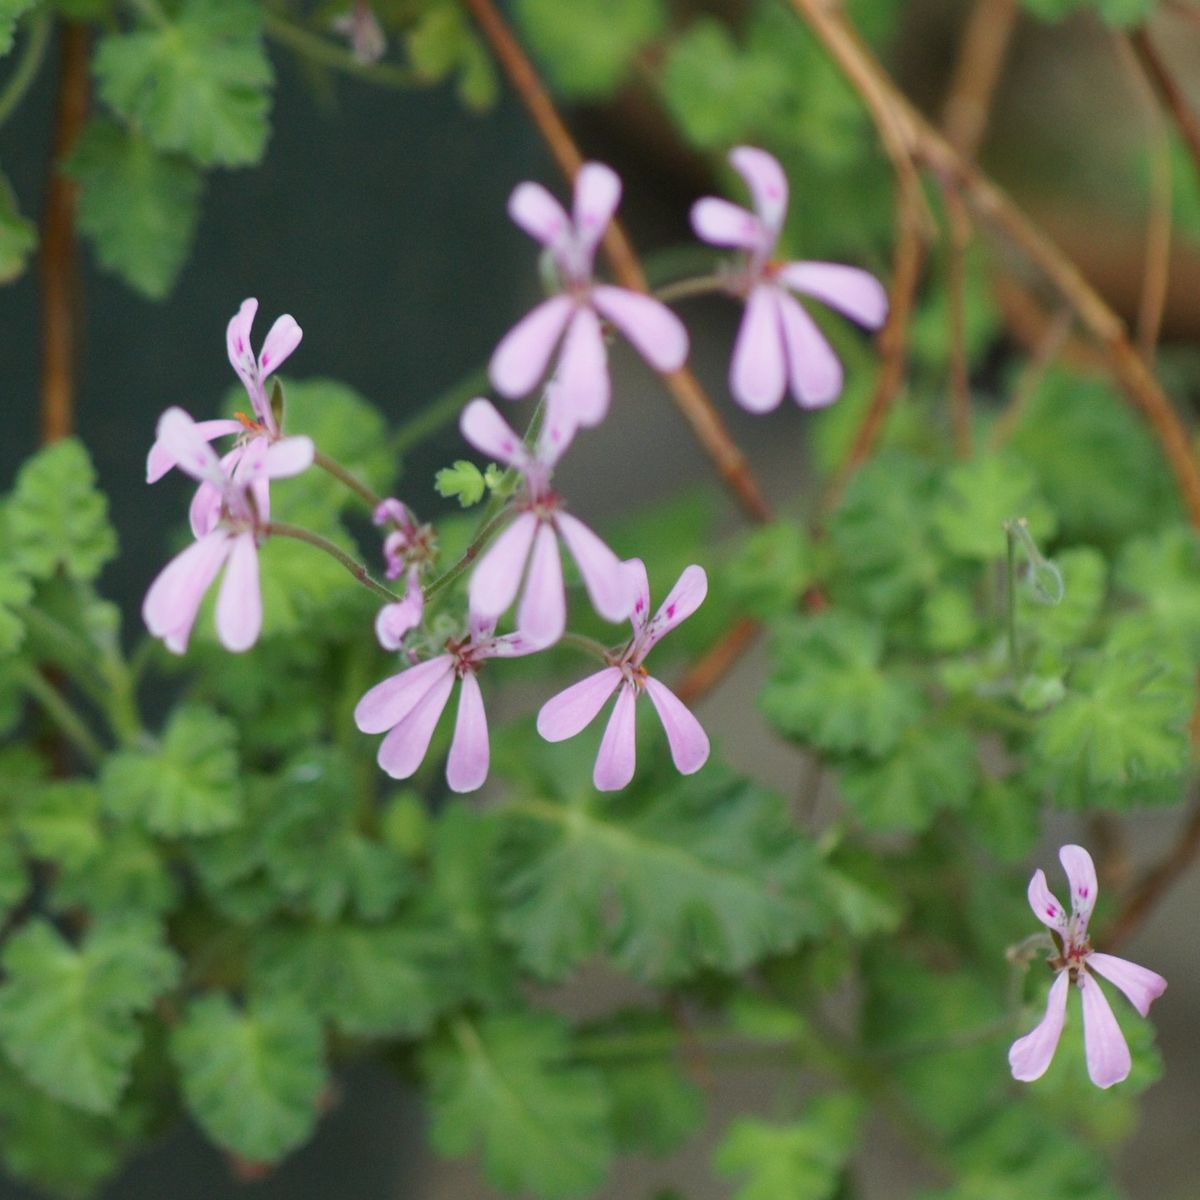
767 183
682 600
639 585
181 438
720 223
685 736
542 616
597 194
239 604
403 750
173 600
582 375
395 620
813 369
608 585
496 579
1045 904
1140 985
1108 1060
539 214
655 332
519 361
467 767
237 342
757 372
289 456
574 708
854 292
161 459
491 434
282 338
617 757
389 702
204 512
1081 873
558 426
1030 1055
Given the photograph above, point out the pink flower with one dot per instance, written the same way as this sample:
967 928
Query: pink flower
533 537
779 345
1108 1059
360 26
228 514
395 620
572 710
407 707
520 360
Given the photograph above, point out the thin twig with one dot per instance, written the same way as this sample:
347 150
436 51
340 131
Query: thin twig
1172 94
981 56
344 475
360 572
689 396
713 665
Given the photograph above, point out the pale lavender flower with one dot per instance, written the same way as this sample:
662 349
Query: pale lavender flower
395 620
360 26
574 315
572 710
228 516
779 345
1108 1060
408 705
533 537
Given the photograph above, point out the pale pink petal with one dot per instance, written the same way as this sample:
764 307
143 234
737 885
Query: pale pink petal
496 579
1140 985
180 437
395 620
574 708
656 333
682 600
161 459
1030 1055
519 361
1108 1060
173 600
282 338
767 183
539 214
685 736
513 645
403 750
597 194
1081 874
542 616
288 456
237 342
608 585
617 756
813 368
723 224
491 434
757 374
582 374
467 766
204 512
639 586
558 426
852 291
239 603
1045 904
389 702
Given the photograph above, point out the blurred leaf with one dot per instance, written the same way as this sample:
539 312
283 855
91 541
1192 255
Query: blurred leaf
188 786
772 569
1119 13
1163 570
199 83
252 1078
18 235
1085 583
139 207
507 1082
443 41
68 1015
124 874
1006 818
59 821
11 12
15 592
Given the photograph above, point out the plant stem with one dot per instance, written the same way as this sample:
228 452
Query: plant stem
1010 599
329 54
438 413
68 721
360 572
685 289
346 476
586 644
37 38
484 535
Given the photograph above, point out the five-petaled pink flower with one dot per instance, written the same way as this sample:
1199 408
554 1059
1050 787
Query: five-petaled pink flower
521 359
228 517
407 706
1108 1059
533 537
779 345
572 710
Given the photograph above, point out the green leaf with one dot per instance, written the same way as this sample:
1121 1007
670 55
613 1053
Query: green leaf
139 207
68 1015
589 47
189 785
857 893
252 1078
443 41
464 480
707 873
59 822
11 12
125 874
199 84
18 235
1163 571
772 569
1085 583
507 1083
15 592
802 1159
56 517
1120 13
828 686
979 496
